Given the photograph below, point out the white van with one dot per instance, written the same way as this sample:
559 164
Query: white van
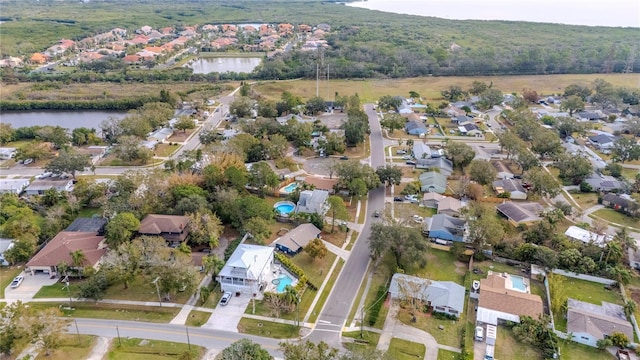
488 354
479 333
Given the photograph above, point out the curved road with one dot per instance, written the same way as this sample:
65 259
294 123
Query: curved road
340 301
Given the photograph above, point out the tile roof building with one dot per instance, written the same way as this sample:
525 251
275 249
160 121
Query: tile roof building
173 228
59 249
499 300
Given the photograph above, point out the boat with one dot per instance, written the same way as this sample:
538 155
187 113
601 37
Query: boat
476 285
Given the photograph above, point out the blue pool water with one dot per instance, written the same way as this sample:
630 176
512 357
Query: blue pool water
284 280
285 208
289 188
518 283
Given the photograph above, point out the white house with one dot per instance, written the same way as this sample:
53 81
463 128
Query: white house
15 186
5 244
7 153
39 186
247 269
586 236
444 296
313 201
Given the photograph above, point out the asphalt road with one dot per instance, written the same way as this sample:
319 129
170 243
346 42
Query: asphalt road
340 301
209 338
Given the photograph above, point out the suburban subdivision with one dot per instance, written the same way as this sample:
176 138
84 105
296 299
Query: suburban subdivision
161 195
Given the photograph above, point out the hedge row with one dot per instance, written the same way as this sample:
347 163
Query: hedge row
122 104
374 311
295 270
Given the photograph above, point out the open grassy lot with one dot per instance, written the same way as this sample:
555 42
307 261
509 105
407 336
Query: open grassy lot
315 270
267 329
326 291
573 351
617 217
71 347
447 355
59 290
115 311
629 174
138 349
141 289
405 350
508 347
451 334
441 265
198 318
586 200
165 150
369 338
262 309
7 273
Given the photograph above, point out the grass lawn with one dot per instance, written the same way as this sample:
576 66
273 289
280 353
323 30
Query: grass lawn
447 355
404 350
381 277
451 334
574 351
139 349
268 329
405 211
370 337
198 318
337 237
586 200
508 347
212 301
617 217
71 348
629 174
7 273
315 270
165 150
363 211
89 212
352 240
59 290
326 291
115 311
141 289
263 310
441 265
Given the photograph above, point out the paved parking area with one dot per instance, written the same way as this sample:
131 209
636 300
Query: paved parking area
227 317
30 286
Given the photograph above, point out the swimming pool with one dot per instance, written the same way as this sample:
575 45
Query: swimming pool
517 282
281 282
284 207
289 188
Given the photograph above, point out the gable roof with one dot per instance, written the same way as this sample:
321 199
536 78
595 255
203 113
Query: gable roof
299 237
154 224
249 259
521 211
444 165
59 249
415 125
432 181
617 200
446 223
439 293
510 185
312 201
595 320
602 139
449 204
495 296
433 196
421 150
585 236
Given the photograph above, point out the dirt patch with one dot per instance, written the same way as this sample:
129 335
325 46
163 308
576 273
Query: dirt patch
461 268
180 136
635 294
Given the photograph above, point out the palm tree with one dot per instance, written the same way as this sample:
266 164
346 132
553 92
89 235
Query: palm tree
78 258
290 296
212 264
630 307
614 252
627 242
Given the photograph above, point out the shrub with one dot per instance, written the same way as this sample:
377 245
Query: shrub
233 245
443 316
374 311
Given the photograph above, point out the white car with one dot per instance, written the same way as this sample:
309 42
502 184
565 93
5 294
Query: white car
17 281
479 333
226 297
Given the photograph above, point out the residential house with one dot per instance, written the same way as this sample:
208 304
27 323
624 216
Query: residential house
173 228
520 212
247 270
450 206
93 224
11 61
39 186
5 244
446 229
313 201
502 298
603 142
59 249
586 236
15 186
160 135
620 203
589 323
470 129
590 115
295 240
443 165
38 58
455 112
420 150
443 296
603 183
416 127
432 199
132 59
513 186
432 181
145 29
460 119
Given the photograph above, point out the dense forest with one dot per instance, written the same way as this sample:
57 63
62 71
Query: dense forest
364 43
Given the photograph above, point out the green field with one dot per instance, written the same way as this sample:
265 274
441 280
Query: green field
267 329
406 350
140 349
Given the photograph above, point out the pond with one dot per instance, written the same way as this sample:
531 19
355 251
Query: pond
66 119
222 65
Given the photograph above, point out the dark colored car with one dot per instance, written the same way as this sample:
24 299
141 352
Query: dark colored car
398 198
344 158
376 213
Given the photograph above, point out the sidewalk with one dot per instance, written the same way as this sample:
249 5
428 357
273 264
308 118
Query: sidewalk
182 316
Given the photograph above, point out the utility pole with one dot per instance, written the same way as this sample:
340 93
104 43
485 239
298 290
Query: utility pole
66 281
155 282
361 322
77 330
188 339
317 78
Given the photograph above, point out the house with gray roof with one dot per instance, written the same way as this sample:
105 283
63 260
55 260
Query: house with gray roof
415 127
621 203
39 186
589 323
93 224
470 129
520 212
443 165
603 183
443 296
603 142
513 186
313 201
7 153
295 240
421 150
160 135
446 228
15 186
432 181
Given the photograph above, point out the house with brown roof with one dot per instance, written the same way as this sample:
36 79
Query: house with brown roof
131 59
38 58
589 323
322 183
173 228
506 297
60 248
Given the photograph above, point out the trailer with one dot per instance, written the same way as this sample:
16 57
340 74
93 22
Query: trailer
488 354
491 334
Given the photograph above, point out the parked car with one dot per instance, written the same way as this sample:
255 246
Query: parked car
17 281
411 163
344 157
28 161
398 198
226 297
376 213
401 152
479 333
406 157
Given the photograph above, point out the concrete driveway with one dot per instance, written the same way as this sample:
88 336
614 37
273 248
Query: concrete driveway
227 317
30 286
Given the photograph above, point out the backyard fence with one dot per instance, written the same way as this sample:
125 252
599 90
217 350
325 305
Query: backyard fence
591 278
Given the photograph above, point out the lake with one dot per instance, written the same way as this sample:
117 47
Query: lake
615 13
224 64
66 119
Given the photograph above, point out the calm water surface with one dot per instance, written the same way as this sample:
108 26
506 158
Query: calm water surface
222 65
617 13
66 119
